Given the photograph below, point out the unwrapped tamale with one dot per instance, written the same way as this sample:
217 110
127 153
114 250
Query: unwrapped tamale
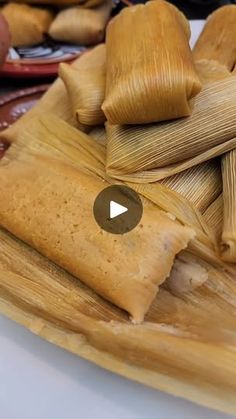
150 70
81 25
155 151
86 88
28 25
218 38
48 204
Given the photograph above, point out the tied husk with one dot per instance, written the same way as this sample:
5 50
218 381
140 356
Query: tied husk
218 38
172 350
150 76
228 245
201 184
152 152
67 227
55 101
80 25
86 88
27 25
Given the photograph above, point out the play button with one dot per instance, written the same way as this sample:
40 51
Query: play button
118 209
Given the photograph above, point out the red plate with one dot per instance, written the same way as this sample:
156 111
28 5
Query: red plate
14 105
25 71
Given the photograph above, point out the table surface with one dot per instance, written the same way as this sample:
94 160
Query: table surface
39 380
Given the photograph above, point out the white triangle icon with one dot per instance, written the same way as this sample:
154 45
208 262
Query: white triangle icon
116 209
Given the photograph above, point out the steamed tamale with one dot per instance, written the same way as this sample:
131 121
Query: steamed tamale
229 199
155 151
28 25
52 204
172 350
81 25
150 71
55 101
218 38
86 88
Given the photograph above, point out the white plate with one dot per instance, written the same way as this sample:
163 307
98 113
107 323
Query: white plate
41 381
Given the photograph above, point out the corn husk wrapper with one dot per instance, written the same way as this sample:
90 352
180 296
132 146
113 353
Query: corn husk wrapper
149 153
27 25
214 217
218 38
201 184
80 25
150 76
68 195
55 101
86 88
229 198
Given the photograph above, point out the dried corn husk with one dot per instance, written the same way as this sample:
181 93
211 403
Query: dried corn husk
229 198
150 76
201 184
55 101
28 25
86 88
61 226
80 25
218 38
172 350
214 217
155 151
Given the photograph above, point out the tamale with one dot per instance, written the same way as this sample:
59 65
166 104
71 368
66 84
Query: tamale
81 25
86 88
172 350
201 184
28 25
214 217
55 101
155 151
218 38
52 205
150 76
229 198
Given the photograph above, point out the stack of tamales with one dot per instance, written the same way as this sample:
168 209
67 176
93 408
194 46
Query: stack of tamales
144 111
83 22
